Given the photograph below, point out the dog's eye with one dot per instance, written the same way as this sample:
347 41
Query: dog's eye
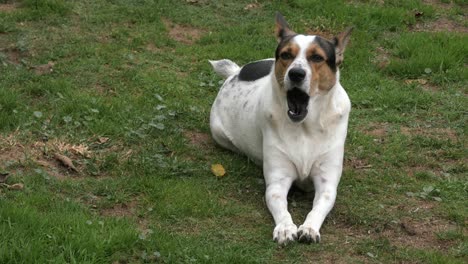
286 56
316 58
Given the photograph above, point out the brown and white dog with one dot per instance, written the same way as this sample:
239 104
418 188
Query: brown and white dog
290 115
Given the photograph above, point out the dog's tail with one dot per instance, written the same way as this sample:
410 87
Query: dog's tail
225 67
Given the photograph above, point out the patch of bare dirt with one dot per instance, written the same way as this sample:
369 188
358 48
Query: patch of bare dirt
8 7
411 171
425 84
442 24
104 89
121 210
377 130
13 55
198 139
436 133
151 47
44 68
438 4
382 58
419 233
357 163
55 157
183 33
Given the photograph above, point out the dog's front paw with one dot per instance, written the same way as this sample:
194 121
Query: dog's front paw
308 235
285 233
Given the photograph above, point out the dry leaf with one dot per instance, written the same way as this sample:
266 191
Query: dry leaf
251 6
102 140
80 149
4 176
66 161
16 186
420 81
218 170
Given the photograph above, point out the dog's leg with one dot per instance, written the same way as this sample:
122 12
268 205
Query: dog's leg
278 182
325 195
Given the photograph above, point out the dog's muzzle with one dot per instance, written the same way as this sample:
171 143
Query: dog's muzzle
298 101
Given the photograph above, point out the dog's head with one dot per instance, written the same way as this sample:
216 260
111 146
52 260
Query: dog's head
306 65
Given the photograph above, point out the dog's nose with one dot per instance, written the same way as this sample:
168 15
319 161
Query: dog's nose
297 74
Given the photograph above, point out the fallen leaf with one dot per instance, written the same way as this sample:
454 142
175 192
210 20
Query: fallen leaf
251 6
80 149
218 170
4 176
16 186
102 140
66 161
420 81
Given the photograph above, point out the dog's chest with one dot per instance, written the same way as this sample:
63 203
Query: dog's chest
305 149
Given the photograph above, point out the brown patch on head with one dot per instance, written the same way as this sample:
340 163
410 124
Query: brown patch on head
183 33
286 51
323 77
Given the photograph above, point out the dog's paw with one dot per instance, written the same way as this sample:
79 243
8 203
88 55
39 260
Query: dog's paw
308 235
285 233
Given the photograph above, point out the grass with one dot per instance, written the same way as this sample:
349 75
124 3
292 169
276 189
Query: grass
123 88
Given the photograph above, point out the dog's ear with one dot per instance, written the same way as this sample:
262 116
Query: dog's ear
282 29
340 42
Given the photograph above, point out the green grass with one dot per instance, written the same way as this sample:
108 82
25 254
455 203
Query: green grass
137 99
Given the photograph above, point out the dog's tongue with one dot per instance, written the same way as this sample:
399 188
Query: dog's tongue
297 104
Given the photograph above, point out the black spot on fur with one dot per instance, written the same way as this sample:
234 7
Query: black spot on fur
329 49
255 70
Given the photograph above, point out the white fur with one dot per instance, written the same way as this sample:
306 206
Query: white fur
251 118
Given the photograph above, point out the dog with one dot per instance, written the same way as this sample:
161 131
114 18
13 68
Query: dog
288 114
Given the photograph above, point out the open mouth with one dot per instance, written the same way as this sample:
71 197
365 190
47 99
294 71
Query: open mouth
297 104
